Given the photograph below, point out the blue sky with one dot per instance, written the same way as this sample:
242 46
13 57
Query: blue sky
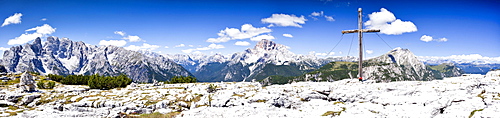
427 28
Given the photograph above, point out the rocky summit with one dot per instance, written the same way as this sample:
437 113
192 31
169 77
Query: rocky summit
464 96
65 57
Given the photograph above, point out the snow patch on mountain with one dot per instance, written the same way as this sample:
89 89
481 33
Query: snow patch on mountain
69 63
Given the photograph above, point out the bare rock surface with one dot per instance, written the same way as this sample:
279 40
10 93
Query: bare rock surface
474 95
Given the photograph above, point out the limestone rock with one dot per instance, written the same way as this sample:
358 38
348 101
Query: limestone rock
27 99
27 82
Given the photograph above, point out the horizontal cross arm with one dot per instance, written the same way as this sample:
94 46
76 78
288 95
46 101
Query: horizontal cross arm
356 31
350 31
371 30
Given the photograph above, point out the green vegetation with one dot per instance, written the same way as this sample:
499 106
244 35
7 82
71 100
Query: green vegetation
333 113
338 102
181 79
56 78
46 84
473 112
444 70
332 71
11 82
278 79
99 82
93 81
159 115
212 88
75 80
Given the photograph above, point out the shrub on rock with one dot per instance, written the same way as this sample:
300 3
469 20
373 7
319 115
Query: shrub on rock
181 79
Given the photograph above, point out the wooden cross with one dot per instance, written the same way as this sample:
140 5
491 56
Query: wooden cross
360 36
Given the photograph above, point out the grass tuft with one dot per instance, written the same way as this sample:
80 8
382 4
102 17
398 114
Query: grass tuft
472 113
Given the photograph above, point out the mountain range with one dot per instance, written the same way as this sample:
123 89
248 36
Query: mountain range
396 65
64 57
267 59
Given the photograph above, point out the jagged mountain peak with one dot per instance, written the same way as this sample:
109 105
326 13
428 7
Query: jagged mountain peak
268 45
398 63
397 55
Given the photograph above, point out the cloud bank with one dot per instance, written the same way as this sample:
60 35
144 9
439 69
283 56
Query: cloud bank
145 46
118 43
209 47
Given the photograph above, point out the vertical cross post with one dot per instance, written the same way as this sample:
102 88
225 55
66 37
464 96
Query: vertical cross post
360 36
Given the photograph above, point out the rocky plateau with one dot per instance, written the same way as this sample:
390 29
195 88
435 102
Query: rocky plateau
465 96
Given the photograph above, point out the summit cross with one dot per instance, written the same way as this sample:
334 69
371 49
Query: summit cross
360 36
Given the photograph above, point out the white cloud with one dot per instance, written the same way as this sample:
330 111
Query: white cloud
188 50
166 47
216 46
317 13
14 19
144 46
191 45
314 15
121 33
3 49
132 38
388 24
329 18
242 43
118 43
285 20
426 38
474 58
180 45
325 54
260 37
429 38
24 38
369 51
247 31
442 39
209 47
288 35
44 29
40 31
197 52
43 19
